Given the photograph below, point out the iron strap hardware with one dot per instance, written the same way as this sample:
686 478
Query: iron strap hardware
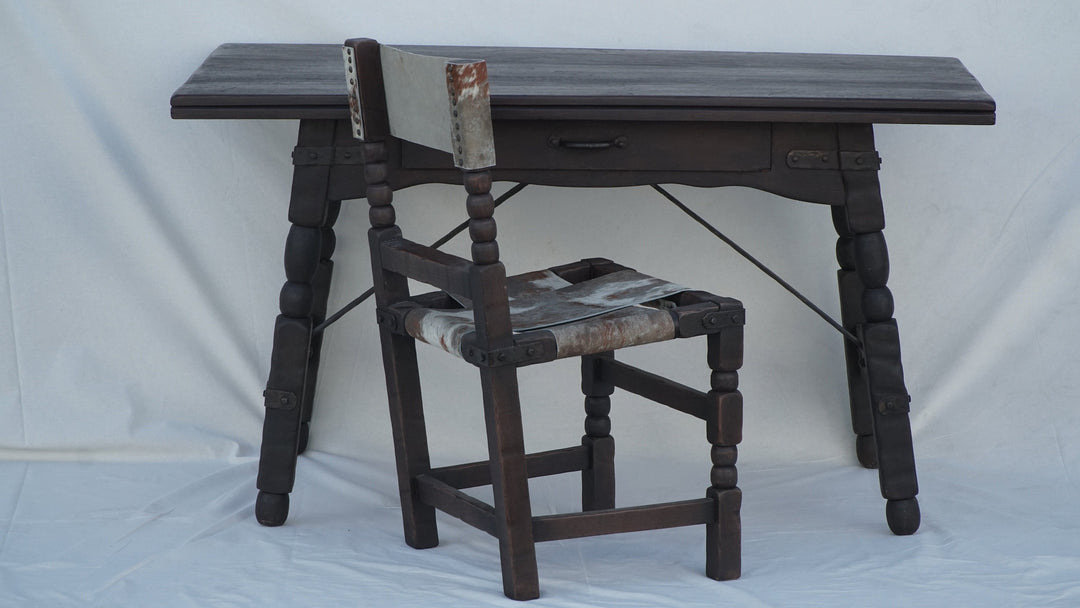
525 350
761 266
714 321
393 318
279 400
894 404
329 155
843 160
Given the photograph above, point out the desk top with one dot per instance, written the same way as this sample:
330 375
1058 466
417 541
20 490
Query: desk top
307 81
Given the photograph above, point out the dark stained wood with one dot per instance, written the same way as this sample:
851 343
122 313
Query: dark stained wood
724 418
508 467
502 405
724 421
596 118
655 388
402 379
548 146
892 429
541 464
598 479
308 198
288 362
294 359
513 512
878 393
626 519
413 164
444 497
851 316
291 81
726 349
320 295
431 266
851 289
723 537
864 210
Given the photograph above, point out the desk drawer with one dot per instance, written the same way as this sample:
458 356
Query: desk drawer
618 146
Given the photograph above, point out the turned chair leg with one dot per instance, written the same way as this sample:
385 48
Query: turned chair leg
723 542
502 406
597 481
399 360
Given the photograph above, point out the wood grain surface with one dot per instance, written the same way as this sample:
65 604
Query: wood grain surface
306 81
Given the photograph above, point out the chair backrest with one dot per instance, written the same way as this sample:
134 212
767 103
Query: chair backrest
443 104
438 102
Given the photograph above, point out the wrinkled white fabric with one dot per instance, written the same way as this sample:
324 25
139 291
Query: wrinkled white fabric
140 264
184 534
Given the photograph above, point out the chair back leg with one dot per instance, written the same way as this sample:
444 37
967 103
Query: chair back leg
399 361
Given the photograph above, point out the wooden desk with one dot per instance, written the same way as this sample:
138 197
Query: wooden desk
797 125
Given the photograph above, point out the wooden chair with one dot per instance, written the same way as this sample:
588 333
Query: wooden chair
588 308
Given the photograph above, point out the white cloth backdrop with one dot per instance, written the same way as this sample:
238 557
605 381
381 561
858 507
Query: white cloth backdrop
141 262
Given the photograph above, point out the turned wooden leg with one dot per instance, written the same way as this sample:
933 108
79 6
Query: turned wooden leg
723 544
851 317
399 360
320 285
290 387
598 481
502 408
880 394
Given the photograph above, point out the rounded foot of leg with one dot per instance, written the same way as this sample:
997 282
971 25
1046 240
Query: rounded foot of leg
305 430
866 450
903 516
271 509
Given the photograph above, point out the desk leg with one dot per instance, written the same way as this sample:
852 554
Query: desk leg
290 389
879 399
320 286
851 317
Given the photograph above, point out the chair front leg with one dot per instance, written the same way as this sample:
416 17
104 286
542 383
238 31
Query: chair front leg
510 482
597 481
502 407
723 544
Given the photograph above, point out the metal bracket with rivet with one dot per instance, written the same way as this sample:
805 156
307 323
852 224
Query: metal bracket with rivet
526 350
844 160
280 400
393 318
894 404
328 155
723 318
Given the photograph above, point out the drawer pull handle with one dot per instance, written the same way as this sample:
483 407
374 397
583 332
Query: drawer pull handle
557 142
